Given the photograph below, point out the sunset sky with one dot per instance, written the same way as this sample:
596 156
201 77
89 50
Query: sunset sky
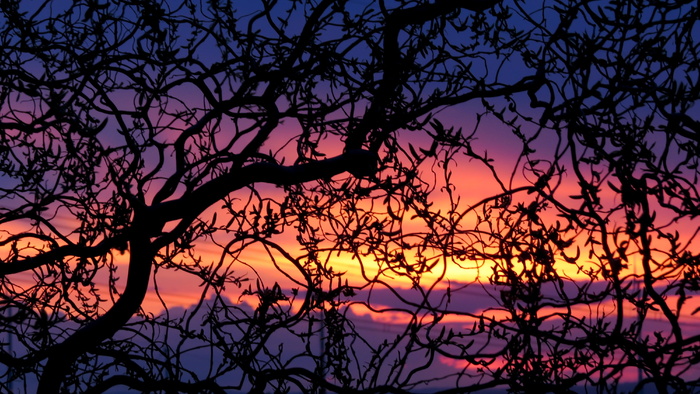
481 202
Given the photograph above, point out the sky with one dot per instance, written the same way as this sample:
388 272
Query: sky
467 283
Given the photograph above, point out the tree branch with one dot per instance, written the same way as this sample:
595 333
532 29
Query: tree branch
393 63
358 162
58 254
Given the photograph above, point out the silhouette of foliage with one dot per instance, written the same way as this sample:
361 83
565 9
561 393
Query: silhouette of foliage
510 187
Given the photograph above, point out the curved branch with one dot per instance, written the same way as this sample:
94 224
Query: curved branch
392 62
62 356
358 162
58 254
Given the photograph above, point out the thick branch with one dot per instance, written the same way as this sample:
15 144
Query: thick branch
60 253
357 162
393 64
62 357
